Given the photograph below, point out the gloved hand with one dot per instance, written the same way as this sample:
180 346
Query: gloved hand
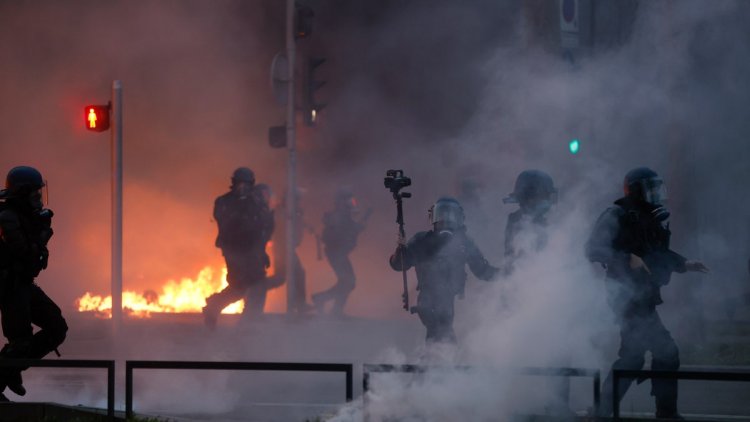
637 264
44 217
696 266
401 239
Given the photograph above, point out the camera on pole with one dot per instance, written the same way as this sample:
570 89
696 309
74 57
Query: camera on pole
395 181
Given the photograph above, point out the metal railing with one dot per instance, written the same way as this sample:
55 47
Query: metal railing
109 365
367 369
130 365
696 375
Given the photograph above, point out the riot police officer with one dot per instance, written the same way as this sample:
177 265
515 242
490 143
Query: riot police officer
526 233
526 230
440 257
339 237
245 226
631 239
25 230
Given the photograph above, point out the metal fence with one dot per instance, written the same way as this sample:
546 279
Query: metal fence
130 365
109 365
696 375
531 371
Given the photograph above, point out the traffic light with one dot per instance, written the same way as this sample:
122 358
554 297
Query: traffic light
96 117
303 21
574 146
311 108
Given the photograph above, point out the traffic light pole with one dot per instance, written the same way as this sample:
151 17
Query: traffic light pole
116 147
291 197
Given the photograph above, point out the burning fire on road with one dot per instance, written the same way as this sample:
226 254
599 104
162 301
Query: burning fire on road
186 296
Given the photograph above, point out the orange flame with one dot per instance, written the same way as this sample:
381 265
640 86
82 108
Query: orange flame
189 295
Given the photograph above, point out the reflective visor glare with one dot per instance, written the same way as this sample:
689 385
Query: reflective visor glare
447 214
655 191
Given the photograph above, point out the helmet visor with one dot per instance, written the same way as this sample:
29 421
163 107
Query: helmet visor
448 215
654 190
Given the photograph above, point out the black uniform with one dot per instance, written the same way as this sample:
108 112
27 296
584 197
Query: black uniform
633 227
245 226
24 233
524 232
340 232
440 262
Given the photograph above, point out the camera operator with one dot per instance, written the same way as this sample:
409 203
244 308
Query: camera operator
440 257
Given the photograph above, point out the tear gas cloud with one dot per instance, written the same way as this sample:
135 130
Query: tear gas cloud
446 91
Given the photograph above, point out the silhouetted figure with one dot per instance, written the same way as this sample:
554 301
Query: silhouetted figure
526 230
526 234
440 257
631 239
245 226
340 232
25 230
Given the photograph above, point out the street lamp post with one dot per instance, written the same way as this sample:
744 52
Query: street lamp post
116 147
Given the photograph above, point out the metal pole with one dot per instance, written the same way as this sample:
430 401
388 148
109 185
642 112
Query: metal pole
128 389
291 198
111 390
116 146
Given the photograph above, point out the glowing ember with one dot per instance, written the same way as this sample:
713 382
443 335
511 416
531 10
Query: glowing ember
188 295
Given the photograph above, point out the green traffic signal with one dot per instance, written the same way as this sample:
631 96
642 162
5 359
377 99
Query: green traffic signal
574 146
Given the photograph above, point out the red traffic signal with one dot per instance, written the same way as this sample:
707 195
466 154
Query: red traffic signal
303 21
96 117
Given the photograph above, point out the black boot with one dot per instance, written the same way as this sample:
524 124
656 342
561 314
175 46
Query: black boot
14 383
9 376
210 317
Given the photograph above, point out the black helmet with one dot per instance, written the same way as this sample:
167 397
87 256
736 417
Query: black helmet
243 174
530 185
448 211
22 180
644 184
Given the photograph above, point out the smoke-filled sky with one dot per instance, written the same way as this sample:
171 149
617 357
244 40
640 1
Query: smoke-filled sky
454 93
446 90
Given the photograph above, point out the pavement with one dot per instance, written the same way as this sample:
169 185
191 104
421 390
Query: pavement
197 395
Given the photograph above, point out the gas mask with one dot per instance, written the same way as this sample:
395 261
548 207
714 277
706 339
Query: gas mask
242 189
538 207
35 200
654 190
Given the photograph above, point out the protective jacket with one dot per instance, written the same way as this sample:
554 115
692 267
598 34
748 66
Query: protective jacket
517 221
245 223
440 262
631 227
340 231
24 235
